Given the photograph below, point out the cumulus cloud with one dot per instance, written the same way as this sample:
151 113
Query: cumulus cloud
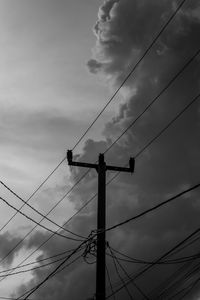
7 242
123 30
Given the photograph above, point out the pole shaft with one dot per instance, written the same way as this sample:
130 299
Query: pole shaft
101 168
101 237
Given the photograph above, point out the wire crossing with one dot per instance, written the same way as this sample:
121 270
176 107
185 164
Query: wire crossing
38 212
133 69
52 273
88 129
108 102
167 253
137 155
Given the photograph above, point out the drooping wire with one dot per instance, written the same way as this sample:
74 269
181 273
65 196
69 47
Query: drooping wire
35 191
110 282
183 1
39 247
38 224
38 212
155 137
141 151
37 261
28 233
33 268
119 275
177 279
144 148
142 57
168 283
167 253
177 276
108 102
179 260
154 207
127 275
52 273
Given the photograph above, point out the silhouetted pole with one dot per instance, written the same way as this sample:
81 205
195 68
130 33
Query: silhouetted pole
101 226
101 169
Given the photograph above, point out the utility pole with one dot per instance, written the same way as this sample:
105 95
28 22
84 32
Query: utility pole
101 169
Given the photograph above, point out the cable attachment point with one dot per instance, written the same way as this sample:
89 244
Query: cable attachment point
90 248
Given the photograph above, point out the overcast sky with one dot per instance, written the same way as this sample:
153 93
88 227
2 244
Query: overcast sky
61 60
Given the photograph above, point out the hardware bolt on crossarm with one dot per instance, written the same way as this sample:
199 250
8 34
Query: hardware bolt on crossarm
101 169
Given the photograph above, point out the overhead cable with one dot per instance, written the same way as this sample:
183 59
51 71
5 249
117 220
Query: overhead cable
52 272
133 69
31 196
38 212
167 253
154 207
42 226
127 275
143 149
108 102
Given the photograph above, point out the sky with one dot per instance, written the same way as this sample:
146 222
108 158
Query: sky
61 61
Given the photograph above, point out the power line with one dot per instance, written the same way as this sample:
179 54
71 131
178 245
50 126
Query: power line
186 289
158 291
177 278
167 283
174 197
140 152
37 261
33 268
127 275
147 145
110 282
28 233
32 290
156 98
188 62
53 272
42 244
129 259
35 191
38 224
191 287
182 2
133 69
154 207
37 211
120 277
167 253
108 102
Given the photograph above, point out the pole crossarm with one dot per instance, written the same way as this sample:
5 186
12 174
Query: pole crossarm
129 169
101 169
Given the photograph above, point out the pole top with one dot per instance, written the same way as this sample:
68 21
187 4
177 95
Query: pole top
132 164
101 158
69 156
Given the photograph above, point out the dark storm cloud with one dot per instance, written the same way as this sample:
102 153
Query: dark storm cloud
7 242
171 164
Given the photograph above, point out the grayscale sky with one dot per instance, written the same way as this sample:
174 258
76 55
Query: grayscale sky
61 61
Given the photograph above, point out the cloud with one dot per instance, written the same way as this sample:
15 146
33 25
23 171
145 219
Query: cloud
7 242
123 31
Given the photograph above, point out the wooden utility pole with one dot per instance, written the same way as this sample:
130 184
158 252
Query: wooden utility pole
101 169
